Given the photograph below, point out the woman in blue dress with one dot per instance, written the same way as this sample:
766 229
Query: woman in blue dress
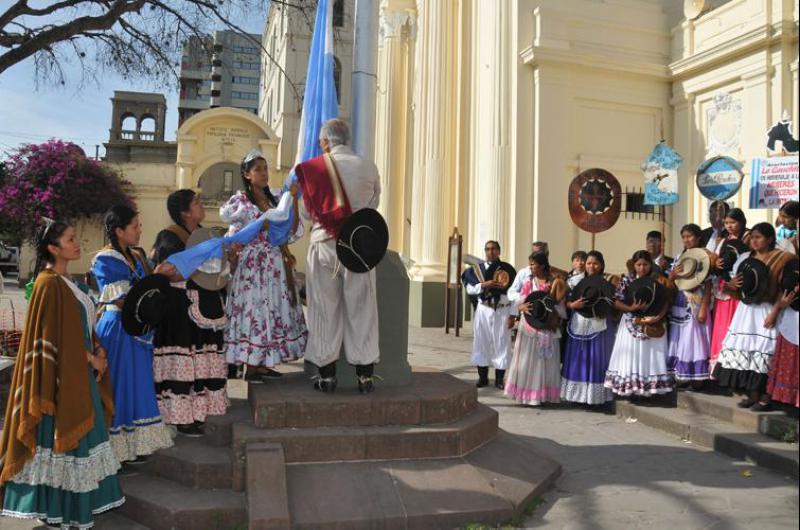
137 429
56 462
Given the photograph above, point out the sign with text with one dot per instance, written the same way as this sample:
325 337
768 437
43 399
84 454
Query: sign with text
773 181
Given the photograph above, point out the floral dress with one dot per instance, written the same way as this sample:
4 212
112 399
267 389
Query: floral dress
265 319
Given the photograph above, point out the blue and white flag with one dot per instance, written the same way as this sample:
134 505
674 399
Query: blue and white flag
319 100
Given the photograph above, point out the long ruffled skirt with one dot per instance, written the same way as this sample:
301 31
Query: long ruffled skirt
533 377
585 363
638 366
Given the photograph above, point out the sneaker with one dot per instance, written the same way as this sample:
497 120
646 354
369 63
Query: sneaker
325 384
141 459
253 377
365 385
269 372
191 431
761 407
746 403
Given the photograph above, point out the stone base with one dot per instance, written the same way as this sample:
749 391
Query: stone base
426 304
424 455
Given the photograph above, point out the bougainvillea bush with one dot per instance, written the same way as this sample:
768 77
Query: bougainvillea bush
54 179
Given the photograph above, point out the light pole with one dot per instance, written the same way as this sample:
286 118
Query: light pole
365 78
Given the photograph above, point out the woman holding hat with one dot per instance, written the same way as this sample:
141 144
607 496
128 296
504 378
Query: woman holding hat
590 337
689 318
638 364
533 377
137 429
749 344
726 296
782 383
56 462
266 325
188 356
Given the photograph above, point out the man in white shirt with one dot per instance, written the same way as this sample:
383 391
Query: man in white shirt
342 306
491 330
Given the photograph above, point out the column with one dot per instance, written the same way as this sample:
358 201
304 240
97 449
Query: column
434 158
492 206
434 135
397 29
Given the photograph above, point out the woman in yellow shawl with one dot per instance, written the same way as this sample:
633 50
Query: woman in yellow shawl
56 463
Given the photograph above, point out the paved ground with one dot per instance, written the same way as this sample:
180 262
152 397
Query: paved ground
616 475
624 475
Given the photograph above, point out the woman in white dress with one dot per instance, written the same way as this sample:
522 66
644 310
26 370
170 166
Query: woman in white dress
265 319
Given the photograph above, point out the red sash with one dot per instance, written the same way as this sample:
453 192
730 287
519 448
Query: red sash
323 194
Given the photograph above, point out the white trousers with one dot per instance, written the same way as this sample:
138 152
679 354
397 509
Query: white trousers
342 309
491 345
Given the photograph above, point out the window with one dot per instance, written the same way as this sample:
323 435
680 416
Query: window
337 78
244 95
245 66
241 80
338 14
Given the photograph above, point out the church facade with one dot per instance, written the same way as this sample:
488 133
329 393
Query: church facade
487 110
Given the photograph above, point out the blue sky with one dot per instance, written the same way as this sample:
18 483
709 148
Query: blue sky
74 112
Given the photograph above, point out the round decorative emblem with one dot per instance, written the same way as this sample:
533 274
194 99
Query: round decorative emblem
594 200
719 178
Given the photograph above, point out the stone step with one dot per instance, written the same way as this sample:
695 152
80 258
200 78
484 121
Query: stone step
490 486
327 444
267 497
728 438
219 432
161 504
775 424
432 397
193 463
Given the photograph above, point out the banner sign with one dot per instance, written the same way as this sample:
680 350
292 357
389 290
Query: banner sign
773 181
661 175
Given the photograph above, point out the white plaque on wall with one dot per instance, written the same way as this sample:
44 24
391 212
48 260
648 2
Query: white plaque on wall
724 126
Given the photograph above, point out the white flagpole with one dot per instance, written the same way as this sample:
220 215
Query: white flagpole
365 78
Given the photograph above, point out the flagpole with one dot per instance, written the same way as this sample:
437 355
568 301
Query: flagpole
365 78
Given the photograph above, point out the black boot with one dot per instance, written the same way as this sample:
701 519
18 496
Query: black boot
483 377
364 374
326 380
499 378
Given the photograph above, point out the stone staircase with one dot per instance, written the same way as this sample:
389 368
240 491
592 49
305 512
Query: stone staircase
714 421
427 455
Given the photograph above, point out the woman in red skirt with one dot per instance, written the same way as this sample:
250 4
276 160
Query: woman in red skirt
782 384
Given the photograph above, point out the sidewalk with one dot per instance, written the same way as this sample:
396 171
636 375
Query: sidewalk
620 475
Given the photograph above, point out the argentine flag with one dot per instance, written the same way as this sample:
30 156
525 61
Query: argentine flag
319 99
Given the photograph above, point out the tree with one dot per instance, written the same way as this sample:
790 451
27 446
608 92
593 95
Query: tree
137 38
54 179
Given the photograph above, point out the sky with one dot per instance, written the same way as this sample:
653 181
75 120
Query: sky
80 113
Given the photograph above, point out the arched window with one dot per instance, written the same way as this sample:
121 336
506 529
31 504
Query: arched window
338 14
127 127
337 79
147 128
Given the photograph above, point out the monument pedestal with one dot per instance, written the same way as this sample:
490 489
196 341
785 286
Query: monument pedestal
419 452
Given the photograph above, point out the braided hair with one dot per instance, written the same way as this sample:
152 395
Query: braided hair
246 166
645 255
119 216
49 234
178 202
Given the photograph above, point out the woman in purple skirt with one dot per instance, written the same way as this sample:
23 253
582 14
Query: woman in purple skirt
590 337
689 322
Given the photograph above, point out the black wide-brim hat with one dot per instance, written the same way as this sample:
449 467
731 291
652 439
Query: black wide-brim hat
598 293
755 281
647 290
789 280
502 272
541 311
362 240
729 254
145 304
